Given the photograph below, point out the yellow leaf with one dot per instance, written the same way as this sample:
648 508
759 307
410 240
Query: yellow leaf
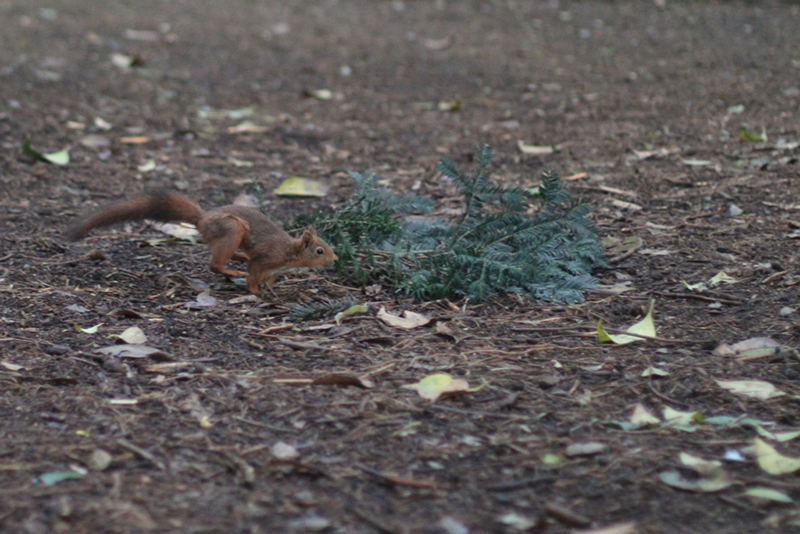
297 186
645 327
772 461
675 418
352 310
434 386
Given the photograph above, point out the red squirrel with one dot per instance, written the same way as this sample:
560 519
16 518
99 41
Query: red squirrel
228 230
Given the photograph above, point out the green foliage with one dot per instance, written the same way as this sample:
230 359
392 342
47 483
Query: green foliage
494 247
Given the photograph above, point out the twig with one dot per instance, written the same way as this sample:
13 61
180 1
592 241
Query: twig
617 259
566 515
399 481
697 297
125 444
475 412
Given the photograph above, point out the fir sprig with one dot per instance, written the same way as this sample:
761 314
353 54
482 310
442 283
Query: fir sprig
494 247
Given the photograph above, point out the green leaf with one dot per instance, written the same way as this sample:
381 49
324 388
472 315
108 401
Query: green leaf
54 477
768 494
56 158
751 136
352 310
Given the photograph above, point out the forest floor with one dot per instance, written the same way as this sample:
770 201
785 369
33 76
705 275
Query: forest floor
677 121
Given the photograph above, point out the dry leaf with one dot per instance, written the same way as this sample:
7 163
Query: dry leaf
535 150
408 321
772 461
758 389
642 417
132 335
719 481
645 327
434 386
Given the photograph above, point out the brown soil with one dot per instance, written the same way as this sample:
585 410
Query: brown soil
191 432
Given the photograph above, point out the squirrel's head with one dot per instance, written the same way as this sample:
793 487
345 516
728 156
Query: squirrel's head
313 251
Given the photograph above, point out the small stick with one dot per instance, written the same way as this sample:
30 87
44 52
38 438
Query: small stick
566 515
698 297
125 444
423 484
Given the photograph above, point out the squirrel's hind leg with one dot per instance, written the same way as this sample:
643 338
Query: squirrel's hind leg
224 242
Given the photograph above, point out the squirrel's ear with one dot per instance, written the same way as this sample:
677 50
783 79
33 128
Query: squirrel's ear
308 237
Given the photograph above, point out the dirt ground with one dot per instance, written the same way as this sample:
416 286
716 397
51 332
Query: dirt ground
678 121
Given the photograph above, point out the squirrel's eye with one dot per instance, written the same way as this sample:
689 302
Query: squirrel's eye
320 251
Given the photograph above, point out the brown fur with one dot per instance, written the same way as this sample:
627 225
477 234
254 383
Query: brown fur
233 232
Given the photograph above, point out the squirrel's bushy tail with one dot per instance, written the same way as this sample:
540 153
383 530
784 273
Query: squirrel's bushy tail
164 206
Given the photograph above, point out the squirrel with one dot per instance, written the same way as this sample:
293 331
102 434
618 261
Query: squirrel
233 232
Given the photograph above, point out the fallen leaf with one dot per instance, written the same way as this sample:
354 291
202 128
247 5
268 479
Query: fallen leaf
434 386
284 452
722 278
122 61
90 330
352 310
757 389
642 417
768 494
12 366
132 335
247 127
449 105
748 135
205 299
645 327
134 140
681 420
130 351
517 521
182 231
319 94
147 166
342 379
698 162
408 321
552 459
99 460
438 44
95 141
584 449
54 477
701 466
652 154
56 158
719 481
653 371
620 528
750 349
535 150
297 186
452 525
771 461
774 436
